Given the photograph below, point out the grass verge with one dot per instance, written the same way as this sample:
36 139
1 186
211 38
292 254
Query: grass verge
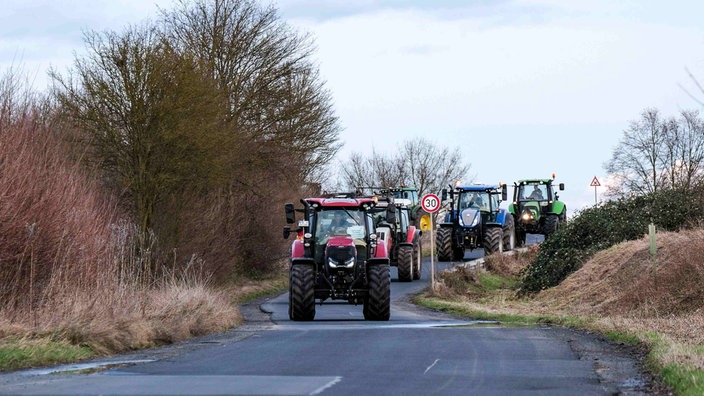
171 314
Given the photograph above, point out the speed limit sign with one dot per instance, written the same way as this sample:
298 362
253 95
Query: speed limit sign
430 203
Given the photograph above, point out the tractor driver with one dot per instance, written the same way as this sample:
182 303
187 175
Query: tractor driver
536 194
338 221
476 201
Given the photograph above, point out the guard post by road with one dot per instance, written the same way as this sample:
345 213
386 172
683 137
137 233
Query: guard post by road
431 204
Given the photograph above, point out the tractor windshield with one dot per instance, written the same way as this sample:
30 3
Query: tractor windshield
481 200
339 221
533 192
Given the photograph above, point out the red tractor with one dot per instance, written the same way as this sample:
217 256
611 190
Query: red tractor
402 239
337 256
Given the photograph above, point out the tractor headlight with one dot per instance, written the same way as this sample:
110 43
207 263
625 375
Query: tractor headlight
527 216
341 256
345 264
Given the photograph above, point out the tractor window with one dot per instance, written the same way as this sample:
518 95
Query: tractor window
474 199
413 196
533 192
339 222
404 219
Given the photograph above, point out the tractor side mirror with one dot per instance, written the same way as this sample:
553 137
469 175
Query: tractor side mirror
443 195
290 213
287 232
562 186
504 193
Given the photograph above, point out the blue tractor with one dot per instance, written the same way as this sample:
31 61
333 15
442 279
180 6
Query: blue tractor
475 220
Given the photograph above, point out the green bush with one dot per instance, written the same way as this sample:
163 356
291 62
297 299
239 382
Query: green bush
601 227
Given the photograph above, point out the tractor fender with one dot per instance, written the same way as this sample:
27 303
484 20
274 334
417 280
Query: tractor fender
493 225
302 260
377 261
512 209
297 249
413 234
558 207
381 251
501 217
445 225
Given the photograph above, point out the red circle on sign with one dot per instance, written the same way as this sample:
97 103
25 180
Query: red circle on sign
430 203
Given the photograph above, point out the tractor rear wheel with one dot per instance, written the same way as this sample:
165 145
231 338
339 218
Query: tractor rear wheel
493 240
377 305
405 263
302 293
509 234
444 242
417 259
422 219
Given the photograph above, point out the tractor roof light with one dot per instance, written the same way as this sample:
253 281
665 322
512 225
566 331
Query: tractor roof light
553 176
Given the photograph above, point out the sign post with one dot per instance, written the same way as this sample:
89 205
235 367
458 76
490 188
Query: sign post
431 204
595 183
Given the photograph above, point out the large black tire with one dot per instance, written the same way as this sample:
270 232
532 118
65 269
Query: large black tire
444 242
417 259
493 240
421 219
377 305
405 263
302 293
551 224
458 253
520 237
509 234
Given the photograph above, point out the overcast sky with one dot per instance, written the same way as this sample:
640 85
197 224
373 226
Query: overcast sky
523 88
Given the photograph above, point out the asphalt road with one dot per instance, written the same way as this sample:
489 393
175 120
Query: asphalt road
417 352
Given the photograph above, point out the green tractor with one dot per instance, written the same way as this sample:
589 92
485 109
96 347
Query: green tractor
536 208
409 197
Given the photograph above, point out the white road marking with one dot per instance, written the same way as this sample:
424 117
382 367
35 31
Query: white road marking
431 366
326 386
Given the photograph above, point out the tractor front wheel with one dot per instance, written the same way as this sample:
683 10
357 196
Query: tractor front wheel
493 240
405 263
377 305
551 224
520 237
509 234
301 290
444 242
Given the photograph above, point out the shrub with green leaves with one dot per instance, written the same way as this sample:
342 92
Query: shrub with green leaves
601 227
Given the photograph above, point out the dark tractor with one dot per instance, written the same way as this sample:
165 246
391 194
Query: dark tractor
336 255
474 220
409 196
536 208
401 238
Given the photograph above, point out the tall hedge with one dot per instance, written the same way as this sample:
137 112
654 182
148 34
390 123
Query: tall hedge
601 227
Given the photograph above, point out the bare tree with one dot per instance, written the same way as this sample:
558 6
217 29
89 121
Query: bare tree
418 163
684 139
278 107
637 159
150 119
429 167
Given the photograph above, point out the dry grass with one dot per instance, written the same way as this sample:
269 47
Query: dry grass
510 265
